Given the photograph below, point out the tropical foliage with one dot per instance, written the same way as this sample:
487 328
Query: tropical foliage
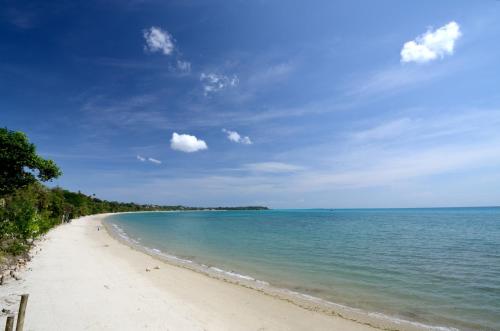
19 164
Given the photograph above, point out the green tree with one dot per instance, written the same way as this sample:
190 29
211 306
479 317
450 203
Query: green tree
20 165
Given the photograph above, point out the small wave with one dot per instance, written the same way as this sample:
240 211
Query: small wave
237 275
417 324
121 232
157 252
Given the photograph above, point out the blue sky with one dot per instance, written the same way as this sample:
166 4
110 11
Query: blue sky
284 104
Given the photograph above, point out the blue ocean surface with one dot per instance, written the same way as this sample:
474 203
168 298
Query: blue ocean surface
435 266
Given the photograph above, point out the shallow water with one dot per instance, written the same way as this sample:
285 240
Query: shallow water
436 266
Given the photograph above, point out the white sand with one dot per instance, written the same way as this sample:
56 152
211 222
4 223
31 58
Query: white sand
85 280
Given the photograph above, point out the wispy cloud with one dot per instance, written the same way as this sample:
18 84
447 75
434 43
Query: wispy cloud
405 166
158 40
213 82
122 63
271 167
270 74
23 19
183 66
139 112
408 148
187 143
152 160
237 138
392 128
470 123
31 14
392 80
432 44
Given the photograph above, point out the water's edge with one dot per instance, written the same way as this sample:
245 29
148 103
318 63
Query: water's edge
373 319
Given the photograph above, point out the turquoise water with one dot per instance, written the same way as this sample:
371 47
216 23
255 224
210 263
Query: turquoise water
438 266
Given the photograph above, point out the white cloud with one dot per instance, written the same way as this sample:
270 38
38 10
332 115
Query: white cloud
213 82
158 40
237 138
432 44
150 159
186 143
273 167
140 158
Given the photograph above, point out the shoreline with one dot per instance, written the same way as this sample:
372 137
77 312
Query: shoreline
315 304
83 279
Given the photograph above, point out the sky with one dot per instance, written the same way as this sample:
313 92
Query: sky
287 104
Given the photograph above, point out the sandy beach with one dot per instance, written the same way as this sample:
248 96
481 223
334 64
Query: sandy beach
83 279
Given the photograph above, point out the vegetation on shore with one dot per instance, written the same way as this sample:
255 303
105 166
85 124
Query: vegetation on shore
29 209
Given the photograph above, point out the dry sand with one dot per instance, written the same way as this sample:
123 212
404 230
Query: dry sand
83 279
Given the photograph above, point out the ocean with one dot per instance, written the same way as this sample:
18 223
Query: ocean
432 267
